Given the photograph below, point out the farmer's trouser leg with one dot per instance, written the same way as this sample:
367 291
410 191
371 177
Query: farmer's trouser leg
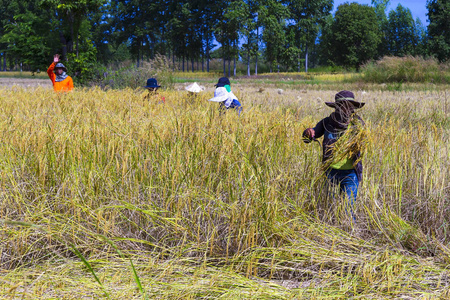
348 183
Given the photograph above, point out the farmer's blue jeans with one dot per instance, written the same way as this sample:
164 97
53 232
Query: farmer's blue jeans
348 183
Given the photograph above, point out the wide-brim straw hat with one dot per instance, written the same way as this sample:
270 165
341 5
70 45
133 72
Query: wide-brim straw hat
220 94
195 88
345 96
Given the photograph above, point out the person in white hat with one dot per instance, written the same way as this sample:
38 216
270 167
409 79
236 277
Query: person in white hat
194 88
225 96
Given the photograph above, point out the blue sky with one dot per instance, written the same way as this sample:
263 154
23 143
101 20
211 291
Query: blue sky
418 7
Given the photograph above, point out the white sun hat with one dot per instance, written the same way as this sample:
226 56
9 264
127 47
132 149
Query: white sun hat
195 88
220 94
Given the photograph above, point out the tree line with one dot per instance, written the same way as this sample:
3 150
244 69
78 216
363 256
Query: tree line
287 35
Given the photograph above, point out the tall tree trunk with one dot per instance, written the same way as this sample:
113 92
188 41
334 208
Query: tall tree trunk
173 61
248 62
234 59
207 54
75 32
138 56
64 45
257 49
4 61
223 55
229 70
192 64
71 18
183 62
248 55
76 45
306 59
166 49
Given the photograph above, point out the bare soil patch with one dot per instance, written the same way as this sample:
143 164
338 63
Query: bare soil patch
25 82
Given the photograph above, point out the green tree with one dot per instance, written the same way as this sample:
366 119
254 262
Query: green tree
420 32
104 33
248 30
227 30
70 16
137 24
273 16
208 17
308 17
355 35
325 47
380 7
178 24
291 54
401 35
28 40
439 28
27 35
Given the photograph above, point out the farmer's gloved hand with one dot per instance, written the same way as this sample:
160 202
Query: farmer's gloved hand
308 135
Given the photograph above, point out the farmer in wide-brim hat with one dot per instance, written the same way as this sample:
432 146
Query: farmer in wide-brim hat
57 73
341 160
194 88
152 87
225 96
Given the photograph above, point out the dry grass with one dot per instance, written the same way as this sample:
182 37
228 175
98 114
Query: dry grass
198 205
407 69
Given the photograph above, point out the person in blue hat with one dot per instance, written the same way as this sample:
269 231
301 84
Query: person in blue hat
225 96
152 87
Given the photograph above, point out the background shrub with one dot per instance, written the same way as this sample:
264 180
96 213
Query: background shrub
406 69
127 75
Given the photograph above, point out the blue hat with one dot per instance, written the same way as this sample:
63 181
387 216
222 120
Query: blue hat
223 81
152 83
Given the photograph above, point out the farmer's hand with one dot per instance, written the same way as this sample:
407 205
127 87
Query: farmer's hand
56 58
308 135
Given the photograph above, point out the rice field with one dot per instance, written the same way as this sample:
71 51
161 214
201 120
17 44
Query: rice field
106 195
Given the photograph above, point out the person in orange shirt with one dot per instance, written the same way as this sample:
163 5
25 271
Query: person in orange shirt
57 73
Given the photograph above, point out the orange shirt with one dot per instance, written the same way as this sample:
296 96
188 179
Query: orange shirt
65 85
